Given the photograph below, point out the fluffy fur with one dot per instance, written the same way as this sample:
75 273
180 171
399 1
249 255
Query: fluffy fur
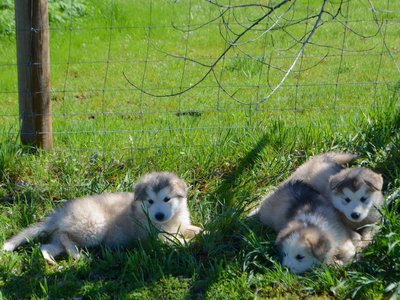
114 219
309 231
356 193
318 170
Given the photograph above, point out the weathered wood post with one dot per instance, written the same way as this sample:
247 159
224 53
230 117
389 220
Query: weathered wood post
33 58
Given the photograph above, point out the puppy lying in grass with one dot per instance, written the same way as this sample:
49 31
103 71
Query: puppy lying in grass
356 193
114 219
309 230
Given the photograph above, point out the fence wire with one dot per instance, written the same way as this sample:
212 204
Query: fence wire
154 74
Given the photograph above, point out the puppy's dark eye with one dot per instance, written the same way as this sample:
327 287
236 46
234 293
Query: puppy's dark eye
150 201
166 199
299 257
347 199
363 199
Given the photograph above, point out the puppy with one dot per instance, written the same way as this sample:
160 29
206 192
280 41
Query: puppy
309 231
318 170
356 193
114 219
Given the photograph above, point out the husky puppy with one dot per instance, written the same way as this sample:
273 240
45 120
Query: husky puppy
114 219
356 193
318 170
309 231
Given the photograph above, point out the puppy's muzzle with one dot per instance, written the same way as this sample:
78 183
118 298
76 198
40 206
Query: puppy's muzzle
355 215
160 216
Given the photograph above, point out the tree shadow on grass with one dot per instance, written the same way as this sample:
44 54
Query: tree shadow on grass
378 141
115 273
230 184
142 268
224 241
233 244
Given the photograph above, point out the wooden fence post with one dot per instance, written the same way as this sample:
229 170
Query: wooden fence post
33 58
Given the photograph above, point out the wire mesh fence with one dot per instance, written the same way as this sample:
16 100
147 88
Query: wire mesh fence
152 74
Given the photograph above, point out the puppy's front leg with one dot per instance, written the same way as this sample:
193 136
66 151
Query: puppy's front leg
367 234
346 251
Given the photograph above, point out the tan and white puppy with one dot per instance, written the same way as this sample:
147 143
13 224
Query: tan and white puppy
356 193
309 230
318 170
114 219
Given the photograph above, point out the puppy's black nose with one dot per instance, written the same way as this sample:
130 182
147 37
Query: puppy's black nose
159 216
355 215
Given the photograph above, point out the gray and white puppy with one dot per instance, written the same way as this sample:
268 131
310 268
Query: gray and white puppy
114 219
309 230
356 193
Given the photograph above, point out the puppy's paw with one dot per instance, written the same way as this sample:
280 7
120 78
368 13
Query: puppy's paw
355 236
8 247
48 257
337 261
363 244
346 252
191 231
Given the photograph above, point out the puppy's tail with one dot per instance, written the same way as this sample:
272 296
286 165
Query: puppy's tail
341 157
27 234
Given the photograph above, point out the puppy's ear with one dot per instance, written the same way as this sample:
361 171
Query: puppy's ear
180 184
139 191
287 231
283 234
373 180
318 244
336 181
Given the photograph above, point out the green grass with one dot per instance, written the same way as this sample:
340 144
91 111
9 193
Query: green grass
107 134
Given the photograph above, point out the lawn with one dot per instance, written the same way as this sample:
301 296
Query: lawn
343 94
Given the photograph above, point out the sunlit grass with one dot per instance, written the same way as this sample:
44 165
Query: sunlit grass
107 134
